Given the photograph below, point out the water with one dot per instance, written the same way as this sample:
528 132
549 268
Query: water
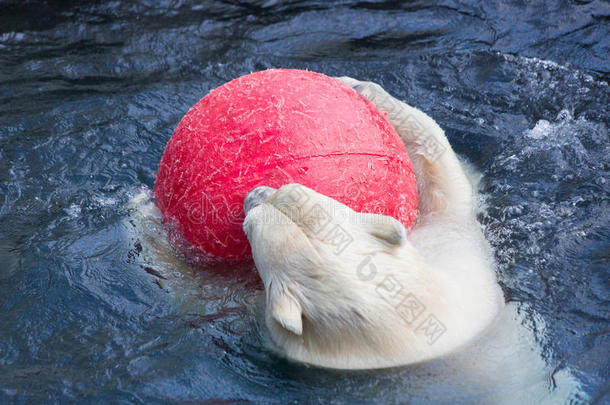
92 308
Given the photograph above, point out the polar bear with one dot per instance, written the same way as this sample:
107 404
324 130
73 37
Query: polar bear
353 290
506 363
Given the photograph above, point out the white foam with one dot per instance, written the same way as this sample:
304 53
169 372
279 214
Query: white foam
73 211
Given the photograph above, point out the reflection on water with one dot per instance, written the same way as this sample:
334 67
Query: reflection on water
93 305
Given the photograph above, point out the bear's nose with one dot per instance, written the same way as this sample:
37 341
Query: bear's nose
256 196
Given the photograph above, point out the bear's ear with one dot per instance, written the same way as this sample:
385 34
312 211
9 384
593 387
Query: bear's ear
285 310
388 229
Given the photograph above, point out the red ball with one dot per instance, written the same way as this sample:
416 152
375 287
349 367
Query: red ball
272 128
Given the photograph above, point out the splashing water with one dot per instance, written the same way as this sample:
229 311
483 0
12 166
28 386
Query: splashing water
95 306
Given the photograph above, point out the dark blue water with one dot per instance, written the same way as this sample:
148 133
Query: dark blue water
90 92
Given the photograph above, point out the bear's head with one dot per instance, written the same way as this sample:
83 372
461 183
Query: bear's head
322 264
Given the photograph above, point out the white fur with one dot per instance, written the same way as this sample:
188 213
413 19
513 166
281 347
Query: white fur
354 305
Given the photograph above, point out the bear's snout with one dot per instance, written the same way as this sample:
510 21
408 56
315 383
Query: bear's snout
256 197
